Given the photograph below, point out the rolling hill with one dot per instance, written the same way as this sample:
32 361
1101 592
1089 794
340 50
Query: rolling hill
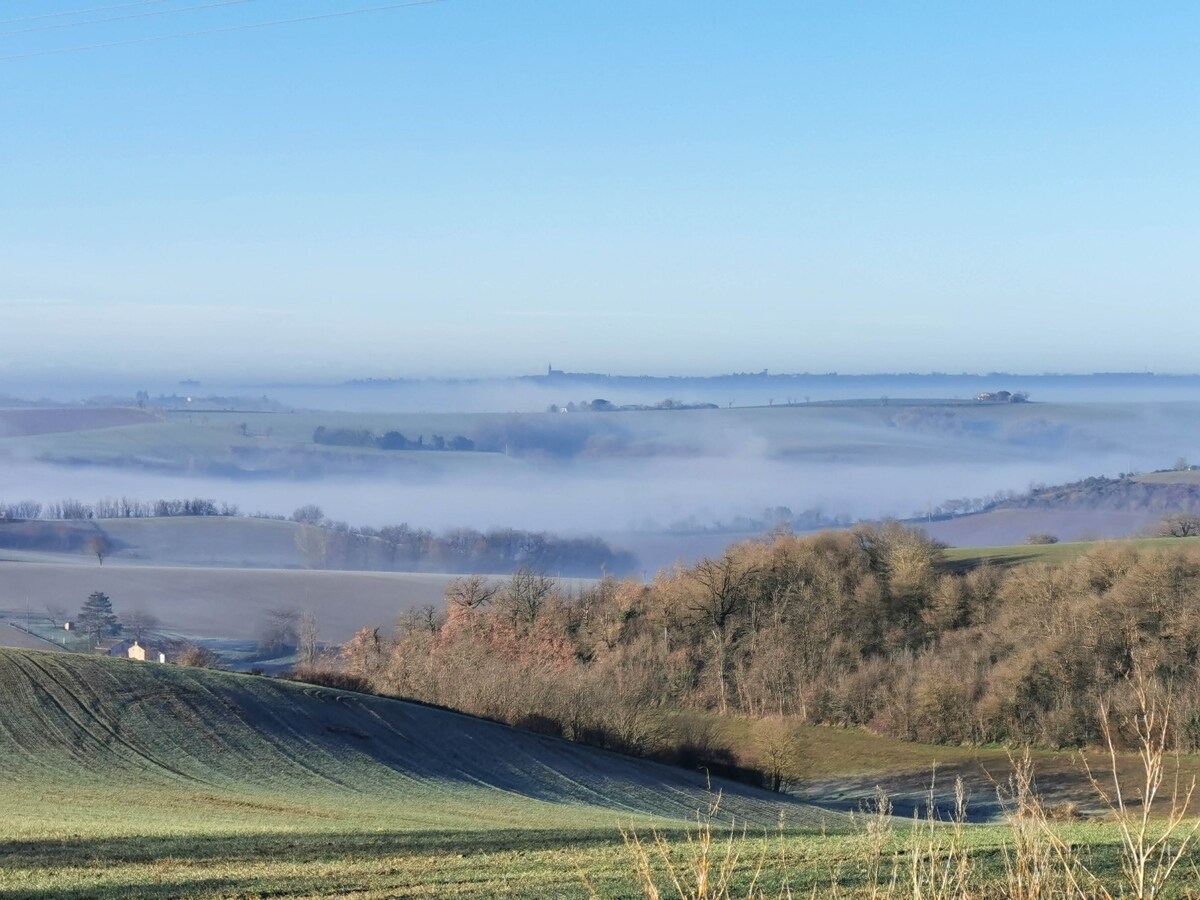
112 766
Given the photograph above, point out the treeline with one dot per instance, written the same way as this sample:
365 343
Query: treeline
324 543
391 440
1123 493
115 508
329 544
863 628
601 405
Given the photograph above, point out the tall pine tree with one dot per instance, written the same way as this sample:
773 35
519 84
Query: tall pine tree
96 618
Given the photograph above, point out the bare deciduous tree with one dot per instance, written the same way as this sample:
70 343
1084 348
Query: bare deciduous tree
1181 525
526 593
313 543
307 636
471 592
98 546
279 631
724 588
200 657
139 621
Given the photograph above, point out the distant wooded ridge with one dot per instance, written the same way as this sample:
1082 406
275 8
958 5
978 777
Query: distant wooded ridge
981 378
321 542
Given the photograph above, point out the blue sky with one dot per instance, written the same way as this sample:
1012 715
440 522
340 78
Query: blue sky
485 186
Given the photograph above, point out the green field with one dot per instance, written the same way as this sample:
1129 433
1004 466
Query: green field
969 557
895 432
127 779
124 779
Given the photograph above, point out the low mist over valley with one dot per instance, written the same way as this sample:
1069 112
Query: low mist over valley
725 451
657 480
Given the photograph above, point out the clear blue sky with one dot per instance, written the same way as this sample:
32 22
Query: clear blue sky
485 186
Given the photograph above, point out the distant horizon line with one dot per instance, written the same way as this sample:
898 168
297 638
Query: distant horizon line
555 374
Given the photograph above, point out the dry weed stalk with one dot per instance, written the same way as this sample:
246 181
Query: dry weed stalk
1031 864
1039 864
940 869
882 879
1150 850
710 866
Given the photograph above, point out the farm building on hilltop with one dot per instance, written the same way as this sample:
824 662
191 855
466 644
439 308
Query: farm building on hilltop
146 654
133 649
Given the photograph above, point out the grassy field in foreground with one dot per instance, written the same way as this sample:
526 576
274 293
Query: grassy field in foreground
126 779
122 779
969 557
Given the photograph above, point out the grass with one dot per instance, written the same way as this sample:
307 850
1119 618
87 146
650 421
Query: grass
1146 849
126 779
213 440
961 558
123 779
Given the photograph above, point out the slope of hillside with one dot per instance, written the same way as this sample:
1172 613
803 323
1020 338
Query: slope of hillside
165 541
123 779
1092 509
86 741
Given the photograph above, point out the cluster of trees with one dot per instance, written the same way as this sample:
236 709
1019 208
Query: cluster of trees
601 405
330 544
771 519
1097 492
858 628
391 440
97 620
115 508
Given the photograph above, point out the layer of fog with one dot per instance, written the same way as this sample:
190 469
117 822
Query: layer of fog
700 470
617 499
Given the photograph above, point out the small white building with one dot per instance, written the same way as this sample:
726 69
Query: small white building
144 654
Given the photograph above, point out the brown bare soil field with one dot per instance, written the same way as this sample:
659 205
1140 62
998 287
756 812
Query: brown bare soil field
17 422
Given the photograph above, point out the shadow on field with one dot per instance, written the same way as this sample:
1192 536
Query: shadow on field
984 783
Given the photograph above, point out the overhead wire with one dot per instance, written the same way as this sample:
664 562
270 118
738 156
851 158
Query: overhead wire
80 12
228 29
57 26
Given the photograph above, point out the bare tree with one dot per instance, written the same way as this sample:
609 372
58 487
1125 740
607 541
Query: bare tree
279 631
724 587
139 622
526 593
1181 525
307 636
471 592
99 547
200 657
313 543
309 515
778 749
57 613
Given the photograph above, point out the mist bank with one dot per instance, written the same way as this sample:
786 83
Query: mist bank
632 478
657 510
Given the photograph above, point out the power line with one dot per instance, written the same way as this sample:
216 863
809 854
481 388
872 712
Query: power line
226 30
125 18
80 12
